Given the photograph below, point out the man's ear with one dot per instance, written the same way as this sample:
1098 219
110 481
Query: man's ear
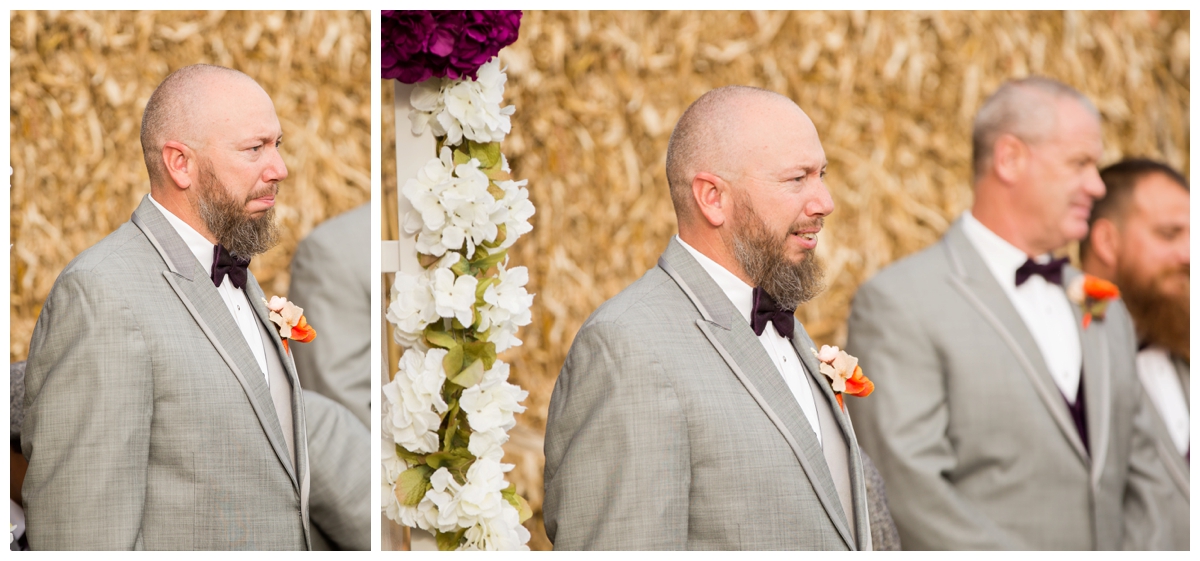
180 162
709 191
1010 156
1105 240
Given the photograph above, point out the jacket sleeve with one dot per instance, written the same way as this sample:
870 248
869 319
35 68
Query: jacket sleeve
903 426
89 402
339 451
329 284
617 456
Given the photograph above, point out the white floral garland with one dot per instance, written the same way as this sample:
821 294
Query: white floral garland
466 214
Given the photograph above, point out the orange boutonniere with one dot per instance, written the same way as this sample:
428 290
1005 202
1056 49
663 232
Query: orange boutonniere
291 321
1092 294
844 373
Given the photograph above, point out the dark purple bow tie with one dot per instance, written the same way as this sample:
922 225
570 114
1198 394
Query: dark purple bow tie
224 263
1051 271
766 310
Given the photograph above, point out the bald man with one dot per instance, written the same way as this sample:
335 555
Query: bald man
690 412
162 411
1000 420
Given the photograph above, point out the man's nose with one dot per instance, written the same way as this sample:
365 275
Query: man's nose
276 170
1093 184
822 203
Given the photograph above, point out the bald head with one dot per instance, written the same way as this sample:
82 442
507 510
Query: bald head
186 106
717 131
1027 109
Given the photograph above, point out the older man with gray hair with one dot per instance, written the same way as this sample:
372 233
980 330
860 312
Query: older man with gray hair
1001 418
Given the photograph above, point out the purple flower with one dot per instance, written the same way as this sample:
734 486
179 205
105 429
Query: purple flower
419 45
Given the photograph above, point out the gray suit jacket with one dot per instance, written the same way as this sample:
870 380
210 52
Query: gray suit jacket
331 280
671 428
970 431
148 423
340 459
1176 525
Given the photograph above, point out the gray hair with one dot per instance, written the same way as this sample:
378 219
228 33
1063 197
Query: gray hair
1023 108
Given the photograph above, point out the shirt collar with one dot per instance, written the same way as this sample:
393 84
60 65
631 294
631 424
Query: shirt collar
201 247
1001 257
738 292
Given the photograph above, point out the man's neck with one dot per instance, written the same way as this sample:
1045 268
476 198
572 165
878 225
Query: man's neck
710 244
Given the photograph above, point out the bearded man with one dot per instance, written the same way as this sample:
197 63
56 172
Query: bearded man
162 411
690 412
1139 239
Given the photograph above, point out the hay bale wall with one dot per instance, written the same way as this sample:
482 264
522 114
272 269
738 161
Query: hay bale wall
80 81
892 95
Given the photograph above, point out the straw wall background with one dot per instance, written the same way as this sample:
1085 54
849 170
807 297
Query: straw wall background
892 95
80 81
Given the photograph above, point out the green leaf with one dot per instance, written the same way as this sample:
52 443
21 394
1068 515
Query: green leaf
461 156
461 267
438 338
453 363
488 154
449 541
495 191
482 288
497 174
470 375
412 485
481 350
410 457
518 502
489 261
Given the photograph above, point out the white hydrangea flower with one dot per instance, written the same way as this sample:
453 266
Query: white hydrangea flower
479 498
451 206
513 211
506 308
413 402
504 533
454 297
463 108
387 497
444 495
488 444
412 309
423 516
493 402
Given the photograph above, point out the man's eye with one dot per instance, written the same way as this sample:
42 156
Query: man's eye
255 148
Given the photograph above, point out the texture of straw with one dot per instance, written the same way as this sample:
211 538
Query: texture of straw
892 95
80 81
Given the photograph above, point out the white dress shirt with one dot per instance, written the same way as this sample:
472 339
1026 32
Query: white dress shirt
1043 305
778 347
235 298
1158 376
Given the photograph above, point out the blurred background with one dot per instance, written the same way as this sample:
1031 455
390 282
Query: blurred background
80 81
892 95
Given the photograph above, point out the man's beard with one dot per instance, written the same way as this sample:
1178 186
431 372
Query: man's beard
226 217
763 257
1161 319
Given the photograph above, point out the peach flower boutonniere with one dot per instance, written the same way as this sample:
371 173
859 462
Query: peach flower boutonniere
844 373
1092 294
291 321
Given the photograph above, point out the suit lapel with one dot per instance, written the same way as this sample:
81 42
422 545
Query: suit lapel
804 347
204 303
733 339
1097 382
255 295
971 277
